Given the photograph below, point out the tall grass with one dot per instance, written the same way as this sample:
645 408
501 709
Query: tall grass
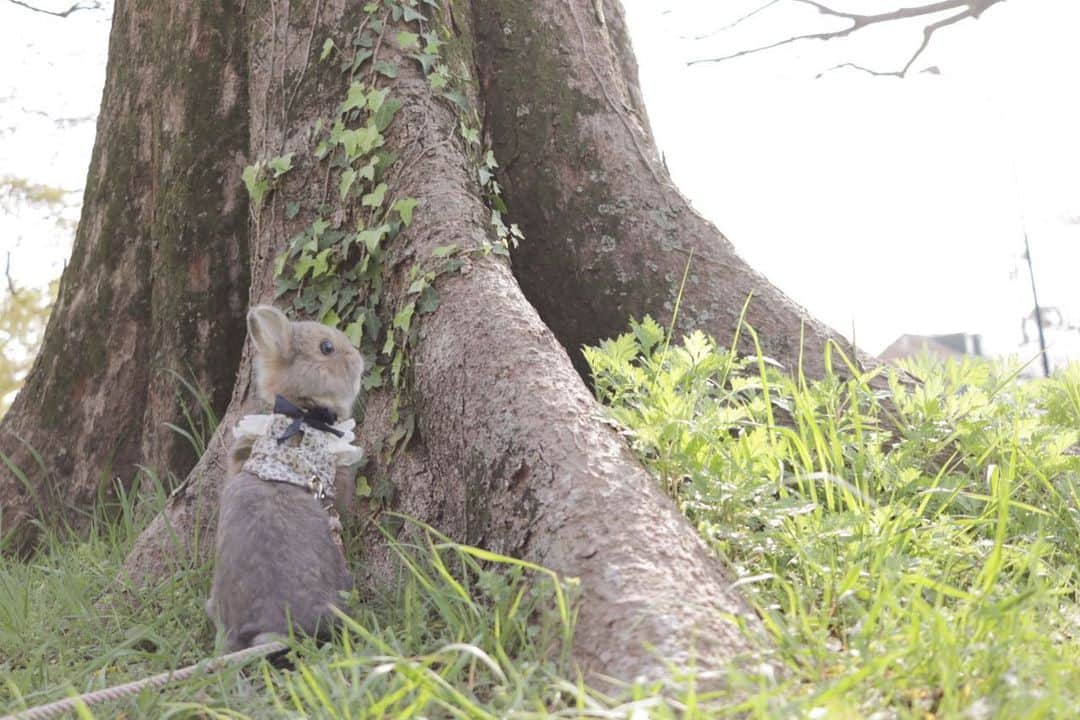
913 550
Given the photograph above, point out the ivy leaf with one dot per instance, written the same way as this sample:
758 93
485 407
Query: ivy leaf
411 15
302 266
368 171
327 48
372 238
281 165
374 379
444 251
330 318
404 316
355 332
375 197
395 370
458 99
408 40
321 264
347 179
385 114
376 98
439 80
292 209
363 490
319 227
357 97
471 134
256 184
426 60
279 264
387 69
404 208
361 56
429 301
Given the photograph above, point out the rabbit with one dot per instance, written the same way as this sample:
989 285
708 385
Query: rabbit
277 562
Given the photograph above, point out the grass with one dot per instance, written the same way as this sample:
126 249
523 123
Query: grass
928 571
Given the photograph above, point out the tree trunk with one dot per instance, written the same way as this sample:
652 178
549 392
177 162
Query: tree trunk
609 237
156 279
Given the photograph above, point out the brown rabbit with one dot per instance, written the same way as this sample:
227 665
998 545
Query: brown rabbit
277 562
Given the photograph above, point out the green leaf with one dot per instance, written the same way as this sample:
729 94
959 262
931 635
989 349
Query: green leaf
279 264
368 171
444 251
330 318
373 379
357 97
458 99
429 301
363 490
281 164
327 48
347 179
438 80
372 238
427 61
411 15
471 134
385 114
375 197
292 209
404 316
387 69
360 141
376 98
256 184
355 332
303 264
362 55
404 208
321 263
319 227
408 40
395 367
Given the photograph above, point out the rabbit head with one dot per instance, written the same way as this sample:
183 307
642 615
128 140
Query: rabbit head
308 363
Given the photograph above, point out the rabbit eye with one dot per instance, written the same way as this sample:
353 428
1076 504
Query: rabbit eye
326 347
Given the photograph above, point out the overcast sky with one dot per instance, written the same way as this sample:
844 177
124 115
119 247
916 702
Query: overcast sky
888 206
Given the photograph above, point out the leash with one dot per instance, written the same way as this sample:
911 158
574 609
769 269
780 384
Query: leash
59 707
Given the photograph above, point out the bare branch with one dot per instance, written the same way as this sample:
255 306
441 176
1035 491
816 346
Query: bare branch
93 5
739 21
7 272
966 9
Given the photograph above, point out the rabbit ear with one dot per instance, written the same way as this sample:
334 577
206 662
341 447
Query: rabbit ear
270 330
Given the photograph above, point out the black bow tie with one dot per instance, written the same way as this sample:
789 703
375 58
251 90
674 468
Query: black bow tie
319 418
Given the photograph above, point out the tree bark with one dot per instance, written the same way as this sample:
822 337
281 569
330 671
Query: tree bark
608 236
156 279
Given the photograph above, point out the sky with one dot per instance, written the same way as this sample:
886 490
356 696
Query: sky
883 205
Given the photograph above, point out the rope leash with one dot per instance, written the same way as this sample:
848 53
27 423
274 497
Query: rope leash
59 707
